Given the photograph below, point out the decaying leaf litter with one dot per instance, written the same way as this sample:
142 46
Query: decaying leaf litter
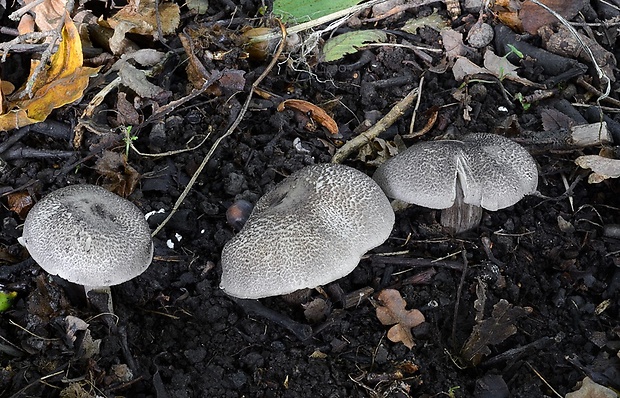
524 305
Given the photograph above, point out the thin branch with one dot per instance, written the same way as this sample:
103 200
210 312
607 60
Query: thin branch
367 136
601 75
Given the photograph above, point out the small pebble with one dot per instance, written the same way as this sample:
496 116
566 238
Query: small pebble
480 35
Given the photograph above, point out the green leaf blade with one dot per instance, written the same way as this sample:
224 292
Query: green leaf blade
298 11
349 43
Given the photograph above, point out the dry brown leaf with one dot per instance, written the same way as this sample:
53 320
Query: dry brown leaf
197 74
565 43
491 331
6 87
63 82
315 112
393 312
316 310
26 24
48 15
453 43
20 202
120 177
127 114
142 16
590 389
552 119
602 168
137 81
529 17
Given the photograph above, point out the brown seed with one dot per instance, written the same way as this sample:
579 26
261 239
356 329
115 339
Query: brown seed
238 213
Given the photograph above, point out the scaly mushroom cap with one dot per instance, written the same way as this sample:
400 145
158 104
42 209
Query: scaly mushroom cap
89 236
311 229
494 172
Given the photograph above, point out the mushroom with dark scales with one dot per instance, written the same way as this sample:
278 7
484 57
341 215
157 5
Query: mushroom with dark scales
460 176
87 235
310 230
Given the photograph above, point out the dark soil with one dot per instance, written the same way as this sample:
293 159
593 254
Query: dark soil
556 257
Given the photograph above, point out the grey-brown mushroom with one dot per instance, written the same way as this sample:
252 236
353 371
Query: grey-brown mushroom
87 235
462 176
311 229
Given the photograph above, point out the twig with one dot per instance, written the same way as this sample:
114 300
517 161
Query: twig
459 290
45 56
400 8
40 380
170 153
601 75
417 106
17 44
543 379
9 31
301 331
228 132
602 108
396 112
30 333
581 81
16 15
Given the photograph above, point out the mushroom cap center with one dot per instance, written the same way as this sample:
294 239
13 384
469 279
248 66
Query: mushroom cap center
89 236
310 230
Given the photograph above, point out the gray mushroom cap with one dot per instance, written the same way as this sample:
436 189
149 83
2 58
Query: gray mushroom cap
89 236
311 229
493 171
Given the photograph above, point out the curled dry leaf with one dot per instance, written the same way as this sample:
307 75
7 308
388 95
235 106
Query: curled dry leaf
491 331
494 65
453 43
315 112
603 168
142 16
590 389
392 311
48 14
119 177
20 202
137 81
529 17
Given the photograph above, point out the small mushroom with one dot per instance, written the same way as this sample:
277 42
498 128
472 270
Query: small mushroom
480 170
87 235
311 229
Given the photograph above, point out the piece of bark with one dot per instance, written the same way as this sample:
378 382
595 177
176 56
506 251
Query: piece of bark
552 64
563 42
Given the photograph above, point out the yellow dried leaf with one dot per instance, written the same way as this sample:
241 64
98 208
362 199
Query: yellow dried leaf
62 83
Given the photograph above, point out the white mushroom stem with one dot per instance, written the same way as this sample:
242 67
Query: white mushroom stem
461 216
100 297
